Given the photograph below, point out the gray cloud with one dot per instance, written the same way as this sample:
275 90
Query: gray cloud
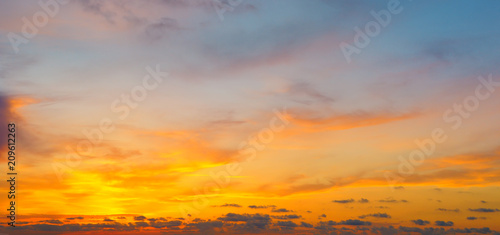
448 210
281 210
286 217
139 217
306 225
392 201
261 207
376 215
475 218
363 200
229 205
484 210
420 222
344 201
443 223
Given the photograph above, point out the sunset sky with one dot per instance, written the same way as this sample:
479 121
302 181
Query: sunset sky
251 116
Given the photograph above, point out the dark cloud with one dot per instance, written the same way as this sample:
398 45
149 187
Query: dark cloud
430 230
390 200
306 225
228 205
244 217
108 220
376 215
281 210
74 218
484 210
344 201
286 217
261 207
448 210
205 227
399 187
51 221
245 224
253 222
354 222
475 218
363 200
420 222
483 201
139 217
443 223
141 224
286 224
167 224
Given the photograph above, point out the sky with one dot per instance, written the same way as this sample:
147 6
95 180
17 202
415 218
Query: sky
251 116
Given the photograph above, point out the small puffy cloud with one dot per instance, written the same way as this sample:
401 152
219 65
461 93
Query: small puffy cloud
399 187
344 201
52 221
443 223
139 217
287 217
392 200
363 200
376 215
281 210
229 205
484 210
448 210
475 218
108 220
261 207
482 201
420 222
